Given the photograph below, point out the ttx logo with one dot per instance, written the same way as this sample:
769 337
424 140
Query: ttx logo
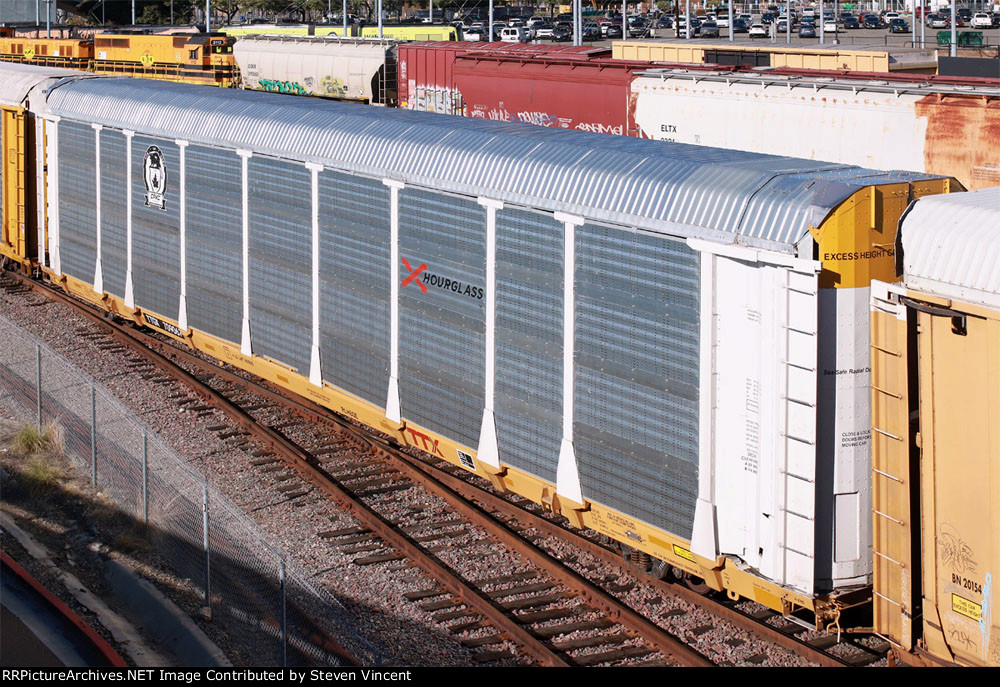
414 275
426 443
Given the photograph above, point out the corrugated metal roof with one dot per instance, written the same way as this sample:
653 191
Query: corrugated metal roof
16 80
683 190
951 246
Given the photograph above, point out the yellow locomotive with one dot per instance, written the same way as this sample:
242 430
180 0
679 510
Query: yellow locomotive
201 58
205 59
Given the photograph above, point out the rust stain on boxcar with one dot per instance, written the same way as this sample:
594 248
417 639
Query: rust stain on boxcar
963 138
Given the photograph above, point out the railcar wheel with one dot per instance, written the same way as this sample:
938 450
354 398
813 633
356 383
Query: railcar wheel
661 570
696 584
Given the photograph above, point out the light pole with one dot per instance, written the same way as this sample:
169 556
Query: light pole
731 37
345 18
954 48
208 16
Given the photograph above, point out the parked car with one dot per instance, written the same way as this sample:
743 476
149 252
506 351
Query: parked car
807 29
830 26
723 21
665 22
614 31
757 31
591 32
741 25
982 20
898 25
562 33
768 17
475 32
937 21
871 22
544 30
638 28
709 29
851 22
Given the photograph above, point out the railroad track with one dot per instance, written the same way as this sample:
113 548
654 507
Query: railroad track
535 608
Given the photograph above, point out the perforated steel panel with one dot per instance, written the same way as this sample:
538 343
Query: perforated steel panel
77 200
636 375
529 341
114 211
280 213
442 313
214 232
156 253
354 258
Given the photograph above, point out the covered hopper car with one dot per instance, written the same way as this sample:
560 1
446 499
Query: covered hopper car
361 69
666 343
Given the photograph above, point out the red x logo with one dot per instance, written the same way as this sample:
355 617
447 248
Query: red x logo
414 274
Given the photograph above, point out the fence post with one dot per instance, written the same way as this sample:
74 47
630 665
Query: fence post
145 480
38 382
284 625
93 438
208 557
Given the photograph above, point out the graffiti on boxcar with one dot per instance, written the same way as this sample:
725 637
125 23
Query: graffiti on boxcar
275 86
599 128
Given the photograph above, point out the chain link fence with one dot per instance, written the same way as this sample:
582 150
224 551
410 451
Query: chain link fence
268 609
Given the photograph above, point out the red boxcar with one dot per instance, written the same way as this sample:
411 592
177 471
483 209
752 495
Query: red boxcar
579 90
558 86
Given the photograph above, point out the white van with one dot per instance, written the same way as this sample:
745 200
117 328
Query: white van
514 34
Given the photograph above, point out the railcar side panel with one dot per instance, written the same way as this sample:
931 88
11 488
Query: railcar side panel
442 312
77 200
958 351
280 255
114 211
636 374
156 257
355 235
213 203
529 341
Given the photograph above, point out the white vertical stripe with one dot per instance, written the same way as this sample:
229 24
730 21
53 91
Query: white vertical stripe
182 319
315 362
129 291
98 273
53 199
703 537
488 451
567 472
41 199
392 406
246 344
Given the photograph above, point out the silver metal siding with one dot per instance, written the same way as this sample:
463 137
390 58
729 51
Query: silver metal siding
280 212
442 333
156 253
114 211
635 425
354 254
214 233
77 200
670 188
529 340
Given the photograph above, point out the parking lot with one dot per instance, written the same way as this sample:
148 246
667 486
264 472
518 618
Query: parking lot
856 37
991 37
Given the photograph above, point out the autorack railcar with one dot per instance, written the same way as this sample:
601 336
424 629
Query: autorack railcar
666 343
